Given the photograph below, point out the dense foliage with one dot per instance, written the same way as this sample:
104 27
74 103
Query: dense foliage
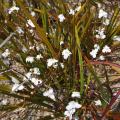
57 55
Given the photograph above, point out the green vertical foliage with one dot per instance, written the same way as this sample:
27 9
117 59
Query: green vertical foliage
40 31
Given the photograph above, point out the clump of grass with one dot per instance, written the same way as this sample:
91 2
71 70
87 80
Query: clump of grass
50 51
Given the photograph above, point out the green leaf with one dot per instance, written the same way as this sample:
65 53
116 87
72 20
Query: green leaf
80 62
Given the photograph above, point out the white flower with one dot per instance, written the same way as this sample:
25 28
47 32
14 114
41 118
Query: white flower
71 108
71 12
32 47
100 34
117 38
29 22
31 31
14 80
76 94
33 13
96 46
28 75
52 62
99 5
94 51
4 102
55 65
98 103
78 8
102 13
40 47
36 81
102 57
38 57
61 42
106 22
13 8
30 59
24 49
106 49
6 53
69 113
62 65
49 93
66 53
6 21
61 17
73 105
17 87
36 71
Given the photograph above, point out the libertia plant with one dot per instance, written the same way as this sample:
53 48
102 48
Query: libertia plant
56 56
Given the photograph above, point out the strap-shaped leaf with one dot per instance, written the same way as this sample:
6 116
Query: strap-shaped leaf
40 31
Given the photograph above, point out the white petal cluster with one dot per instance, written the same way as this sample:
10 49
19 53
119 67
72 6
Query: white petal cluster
24 49
16 87
99 5
33 13
49 93
98 103
6 53
52 62
61 17
14 80
78 8
102 13
75 94
61 42
36 81
30 59
40 47
38 57
69 113
31 31
66 53
100 34
35 71
29 22
101 57
29 76
71 12
116 38
106 22
73 105
62 65
4 102
32 47
106 49
94 51
13 8
71 108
